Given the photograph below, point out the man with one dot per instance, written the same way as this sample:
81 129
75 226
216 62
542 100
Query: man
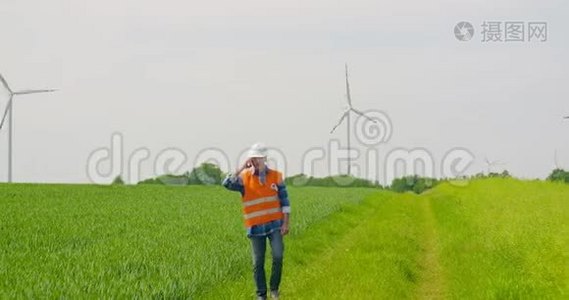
266 212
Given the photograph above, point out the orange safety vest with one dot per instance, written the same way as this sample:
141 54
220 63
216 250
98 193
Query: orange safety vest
261 203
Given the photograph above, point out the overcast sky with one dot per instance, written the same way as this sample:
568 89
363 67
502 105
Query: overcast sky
193 75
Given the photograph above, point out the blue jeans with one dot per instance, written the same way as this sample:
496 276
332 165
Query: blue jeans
259 246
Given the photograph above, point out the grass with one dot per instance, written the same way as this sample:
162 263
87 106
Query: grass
491 239
504 239
129 241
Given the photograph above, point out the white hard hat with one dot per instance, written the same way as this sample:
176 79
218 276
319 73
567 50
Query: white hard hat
257 150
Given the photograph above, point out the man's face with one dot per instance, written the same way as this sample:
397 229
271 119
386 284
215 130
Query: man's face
258 162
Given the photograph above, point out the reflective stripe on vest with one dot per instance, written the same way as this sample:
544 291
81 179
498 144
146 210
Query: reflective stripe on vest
262 212
260 200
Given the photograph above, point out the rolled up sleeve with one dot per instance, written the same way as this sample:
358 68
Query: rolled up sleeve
283 196
233 183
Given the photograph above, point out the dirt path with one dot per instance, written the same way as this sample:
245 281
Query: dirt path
432 278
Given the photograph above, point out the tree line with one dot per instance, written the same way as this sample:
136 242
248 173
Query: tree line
210 174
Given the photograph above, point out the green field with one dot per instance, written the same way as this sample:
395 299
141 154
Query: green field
494 238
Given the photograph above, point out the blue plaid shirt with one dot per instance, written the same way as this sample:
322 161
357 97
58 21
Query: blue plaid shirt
234 183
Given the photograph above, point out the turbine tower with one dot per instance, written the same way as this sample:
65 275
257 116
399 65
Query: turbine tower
346 116
8 114
490 164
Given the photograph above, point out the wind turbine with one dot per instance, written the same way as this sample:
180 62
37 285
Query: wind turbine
8 114
490 164
346 116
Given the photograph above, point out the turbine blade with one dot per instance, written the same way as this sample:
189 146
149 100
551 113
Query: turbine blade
5 84
339 122
348 88
363 115
26 92
6 112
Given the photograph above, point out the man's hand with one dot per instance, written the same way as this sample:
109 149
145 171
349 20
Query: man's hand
284 229
246 164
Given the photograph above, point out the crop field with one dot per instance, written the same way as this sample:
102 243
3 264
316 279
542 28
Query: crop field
493 238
